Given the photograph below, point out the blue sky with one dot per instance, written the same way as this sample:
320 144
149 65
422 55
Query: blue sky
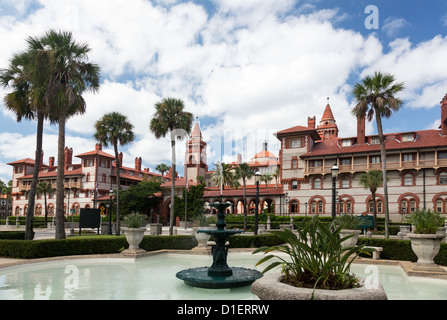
246 69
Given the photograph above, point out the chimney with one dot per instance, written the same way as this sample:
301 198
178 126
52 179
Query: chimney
51 161
68 156
239 158
138 163
361 130
120 158
98 146
311 122
444 116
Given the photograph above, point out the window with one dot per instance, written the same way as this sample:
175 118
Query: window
439 206
345 161
442 154
316 163
408 179
345 182
408 157
375 140
88 163
295 143
407 137
317 183
87 178
379 206
345 206
346 143
294 184
294 163
374 159
408 205
104 177
443 178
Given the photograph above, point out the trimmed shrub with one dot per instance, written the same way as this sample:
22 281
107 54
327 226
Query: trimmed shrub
32 249
12 235
243 241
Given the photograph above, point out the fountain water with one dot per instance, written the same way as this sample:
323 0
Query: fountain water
219 275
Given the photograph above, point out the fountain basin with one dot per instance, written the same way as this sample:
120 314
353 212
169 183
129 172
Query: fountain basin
198 277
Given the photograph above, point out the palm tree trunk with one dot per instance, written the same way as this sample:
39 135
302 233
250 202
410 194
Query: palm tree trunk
60 215
383 159
32 193
171 217
245 204
118 183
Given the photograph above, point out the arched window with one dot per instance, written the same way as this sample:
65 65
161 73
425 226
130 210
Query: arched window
379 206
87 177
293 206
104 177
345 206
317 206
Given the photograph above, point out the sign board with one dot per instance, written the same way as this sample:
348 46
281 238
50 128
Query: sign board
102 210
89 218
366 221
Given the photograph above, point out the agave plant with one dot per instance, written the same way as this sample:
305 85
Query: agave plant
135 220
314 256
426 221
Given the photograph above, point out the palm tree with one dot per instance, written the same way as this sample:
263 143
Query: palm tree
372 179
276 175
376 98
71 76
114 128
162 167
222 176
170 117
244 172
266 178
27 76
45 187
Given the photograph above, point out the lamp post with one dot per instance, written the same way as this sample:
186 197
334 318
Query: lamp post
334 172
109 207
258 179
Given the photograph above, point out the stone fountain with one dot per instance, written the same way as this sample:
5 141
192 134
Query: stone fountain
219 275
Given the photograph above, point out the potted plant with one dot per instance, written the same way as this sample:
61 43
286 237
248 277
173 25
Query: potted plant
313 265
134 231
425 239
348 224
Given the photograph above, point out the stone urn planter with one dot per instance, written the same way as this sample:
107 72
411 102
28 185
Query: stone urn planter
134 232
352 241
269 287
134 236
425 246
202 238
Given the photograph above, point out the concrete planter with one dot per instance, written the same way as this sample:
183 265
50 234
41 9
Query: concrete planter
134 236
351 242
202 238
425 246
270 288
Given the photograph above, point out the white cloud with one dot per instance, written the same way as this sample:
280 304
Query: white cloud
393 25
256 68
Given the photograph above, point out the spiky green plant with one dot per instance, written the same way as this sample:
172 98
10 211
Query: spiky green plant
425 221
314 257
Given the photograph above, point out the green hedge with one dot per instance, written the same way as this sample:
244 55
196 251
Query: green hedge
12 235
243 241
31 249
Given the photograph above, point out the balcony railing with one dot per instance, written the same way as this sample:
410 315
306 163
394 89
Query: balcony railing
390 165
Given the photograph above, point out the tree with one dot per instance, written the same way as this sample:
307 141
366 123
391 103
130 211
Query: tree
114 128
376 98
140 197
162 168
222 176
45 187
27 76
372 180
71 75
194 200
170 117
266 178
276 175
244 172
